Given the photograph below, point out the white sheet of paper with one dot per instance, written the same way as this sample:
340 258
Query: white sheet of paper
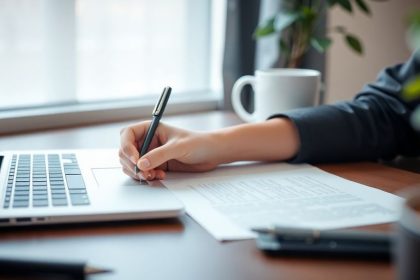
231 200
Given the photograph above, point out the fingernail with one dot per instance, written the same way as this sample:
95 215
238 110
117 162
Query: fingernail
141 177
133 159
144 163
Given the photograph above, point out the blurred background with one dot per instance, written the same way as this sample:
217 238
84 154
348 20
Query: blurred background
63 54
93 50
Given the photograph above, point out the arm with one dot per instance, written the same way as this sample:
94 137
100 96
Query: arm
258 141
176 149
374 126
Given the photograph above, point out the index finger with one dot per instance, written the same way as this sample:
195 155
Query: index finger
129 138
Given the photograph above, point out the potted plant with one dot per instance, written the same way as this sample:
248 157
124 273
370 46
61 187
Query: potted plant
297 25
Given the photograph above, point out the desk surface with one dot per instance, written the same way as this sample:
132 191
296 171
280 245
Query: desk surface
180 248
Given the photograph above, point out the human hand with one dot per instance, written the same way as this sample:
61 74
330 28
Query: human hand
171 149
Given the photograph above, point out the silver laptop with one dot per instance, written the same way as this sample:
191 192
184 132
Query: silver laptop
65 186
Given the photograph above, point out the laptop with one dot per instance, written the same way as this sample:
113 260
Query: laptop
72 186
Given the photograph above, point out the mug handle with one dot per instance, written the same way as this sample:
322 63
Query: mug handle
236 97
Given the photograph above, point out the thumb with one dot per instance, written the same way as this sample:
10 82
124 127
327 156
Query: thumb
157 157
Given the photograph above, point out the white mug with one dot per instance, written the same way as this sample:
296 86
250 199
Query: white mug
277 90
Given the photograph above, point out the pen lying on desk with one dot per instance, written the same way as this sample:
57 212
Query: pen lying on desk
294 241
76 270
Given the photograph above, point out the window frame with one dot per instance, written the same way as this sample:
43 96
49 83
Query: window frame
59 116
26 119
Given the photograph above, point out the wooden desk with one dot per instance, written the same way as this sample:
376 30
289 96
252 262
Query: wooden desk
180 248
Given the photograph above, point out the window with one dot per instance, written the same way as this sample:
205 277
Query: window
85 51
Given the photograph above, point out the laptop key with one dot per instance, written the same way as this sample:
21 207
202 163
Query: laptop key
21 198
21 188
39 197
58 196
57 183
18 204
40 192
75 182
40 203
72 171
75 191
22 193
35 179
58 191
59 202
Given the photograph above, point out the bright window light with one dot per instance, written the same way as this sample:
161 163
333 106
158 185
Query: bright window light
70 51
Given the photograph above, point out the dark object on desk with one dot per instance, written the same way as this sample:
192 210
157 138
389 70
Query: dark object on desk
407 243
331 243
58 270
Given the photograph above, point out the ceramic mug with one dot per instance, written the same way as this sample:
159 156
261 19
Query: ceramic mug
277 90
407 245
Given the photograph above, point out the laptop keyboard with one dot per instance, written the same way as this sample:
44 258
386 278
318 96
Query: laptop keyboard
43 180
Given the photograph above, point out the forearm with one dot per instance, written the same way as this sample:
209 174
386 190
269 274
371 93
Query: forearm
275 139
373 126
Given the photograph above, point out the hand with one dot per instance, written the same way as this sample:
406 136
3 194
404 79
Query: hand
171 149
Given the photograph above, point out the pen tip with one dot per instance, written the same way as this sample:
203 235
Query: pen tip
95 270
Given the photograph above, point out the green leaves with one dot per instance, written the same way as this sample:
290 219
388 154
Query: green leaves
298 23
414 30
265 29
305 15
363 6
321 44
347 5
275 24
351 40
411 90
285 20
354 43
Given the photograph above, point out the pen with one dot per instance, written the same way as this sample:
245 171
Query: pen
325 242
74 270
156 116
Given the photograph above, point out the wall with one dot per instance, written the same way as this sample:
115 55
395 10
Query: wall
383 37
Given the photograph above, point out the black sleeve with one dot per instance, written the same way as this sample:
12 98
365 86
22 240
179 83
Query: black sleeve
375 125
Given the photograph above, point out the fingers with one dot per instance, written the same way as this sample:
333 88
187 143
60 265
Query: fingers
129 169
158 157
154 174
128 147
129 154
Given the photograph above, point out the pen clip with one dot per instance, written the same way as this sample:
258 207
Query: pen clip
160 105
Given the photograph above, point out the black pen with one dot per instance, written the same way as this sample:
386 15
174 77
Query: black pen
73 270
297 241
157 115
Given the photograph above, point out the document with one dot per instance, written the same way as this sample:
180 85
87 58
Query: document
231 200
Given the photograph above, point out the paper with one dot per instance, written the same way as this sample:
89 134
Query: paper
231 200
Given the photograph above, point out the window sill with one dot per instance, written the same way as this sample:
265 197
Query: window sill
22 120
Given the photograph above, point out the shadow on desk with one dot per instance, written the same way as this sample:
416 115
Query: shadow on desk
153 226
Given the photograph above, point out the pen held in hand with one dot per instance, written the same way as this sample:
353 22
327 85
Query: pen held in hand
156 116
